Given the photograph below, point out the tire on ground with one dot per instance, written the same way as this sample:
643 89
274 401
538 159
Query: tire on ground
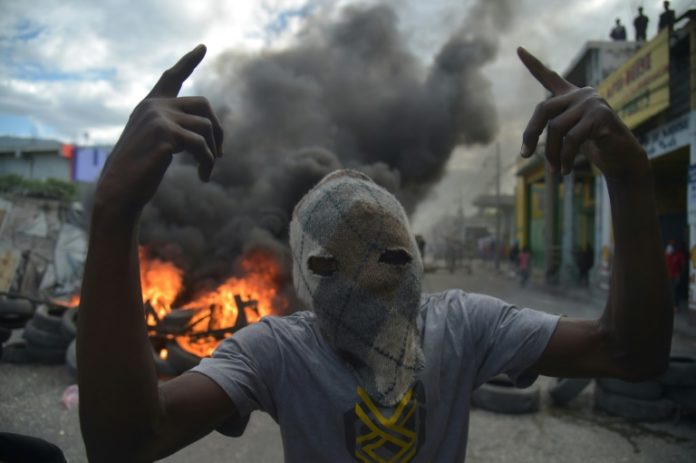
16 353
68 323
501 396
681 372
46 355
14 313
631 408
5 334
49 317
643 390
685 397
16 306
179 359
41 338
71 359
566 389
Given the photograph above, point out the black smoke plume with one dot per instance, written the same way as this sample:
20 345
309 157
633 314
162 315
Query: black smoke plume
348 94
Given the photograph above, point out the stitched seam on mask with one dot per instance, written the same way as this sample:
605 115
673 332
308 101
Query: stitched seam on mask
340 323
370 246
392 385
339 318
310 215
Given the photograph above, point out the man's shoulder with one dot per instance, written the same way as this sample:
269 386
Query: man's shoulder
456 305
294 324
274 332
457 297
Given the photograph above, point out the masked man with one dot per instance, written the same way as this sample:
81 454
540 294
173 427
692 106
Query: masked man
373 370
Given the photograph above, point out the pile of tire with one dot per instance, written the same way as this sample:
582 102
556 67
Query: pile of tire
639 401
500 395
45 338
564 390
679 383
653 400
15 313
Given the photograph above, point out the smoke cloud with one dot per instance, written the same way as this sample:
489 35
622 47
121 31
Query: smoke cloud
348 94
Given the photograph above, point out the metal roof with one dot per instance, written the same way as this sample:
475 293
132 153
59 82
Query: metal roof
15 144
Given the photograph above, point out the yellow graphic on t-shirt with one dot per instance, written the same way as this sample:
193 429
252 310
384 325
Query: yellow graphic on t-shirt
383 432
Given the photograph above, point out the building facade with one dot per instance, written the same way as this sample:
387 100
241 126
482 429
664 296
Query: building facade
655 95
41 159
652 86
556 216
35 159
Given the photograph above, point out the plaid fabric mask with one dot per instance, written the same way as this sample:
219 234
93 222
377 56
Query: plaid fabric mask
356 264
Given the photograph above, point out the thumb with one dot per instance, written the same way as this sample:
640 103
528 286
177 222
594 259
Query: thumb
171 80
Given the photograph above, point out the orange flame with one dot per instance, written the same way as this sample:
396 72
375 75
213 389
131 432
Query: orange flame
257 292
160 283
72 302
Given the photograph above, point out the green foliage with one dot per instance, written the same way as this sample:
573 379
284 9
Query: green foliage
50 188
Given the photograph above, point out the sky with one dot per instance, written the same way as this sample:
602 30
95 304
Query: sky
74 69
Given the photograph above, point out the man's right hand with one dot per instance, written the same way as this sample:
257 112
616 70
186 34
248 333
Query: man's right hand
161 125
124 416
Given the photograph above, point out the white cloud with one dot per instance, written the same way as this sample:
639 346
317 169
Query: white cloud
65 62
102 57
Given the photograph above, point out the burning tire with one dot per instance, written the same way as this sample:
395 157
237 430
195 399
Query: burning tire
643 390
501 396
179 359
631 408
566 389
177 321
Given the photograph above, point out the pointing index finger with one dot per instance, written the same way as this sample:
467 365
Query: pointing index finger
546 77
171 80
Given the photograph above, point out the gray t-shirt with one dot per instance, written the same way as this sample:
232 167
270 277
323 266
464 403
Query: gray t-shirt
283 366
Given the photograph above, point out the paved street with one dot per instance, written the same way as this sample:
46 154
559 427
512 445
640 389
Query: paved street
30 404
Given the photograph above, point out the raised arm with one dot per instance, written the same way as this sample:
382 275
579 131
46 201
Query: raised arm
632 338
124 416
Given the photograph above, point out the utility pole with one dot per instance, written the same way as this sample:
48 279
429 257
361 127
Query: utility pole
497 206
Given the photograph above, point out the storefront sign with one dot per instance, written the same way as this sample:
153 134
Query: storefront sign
691 199
667 137
692 46
640 88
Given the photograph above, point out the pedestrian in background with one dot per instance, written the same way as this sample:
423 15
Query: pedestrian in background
675 263
514 253
618 33
666 18
585 263
640 23
524 260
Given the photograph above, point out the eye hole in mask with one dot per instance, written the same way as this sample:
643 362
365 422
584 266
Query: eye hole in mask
323 266
395 257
